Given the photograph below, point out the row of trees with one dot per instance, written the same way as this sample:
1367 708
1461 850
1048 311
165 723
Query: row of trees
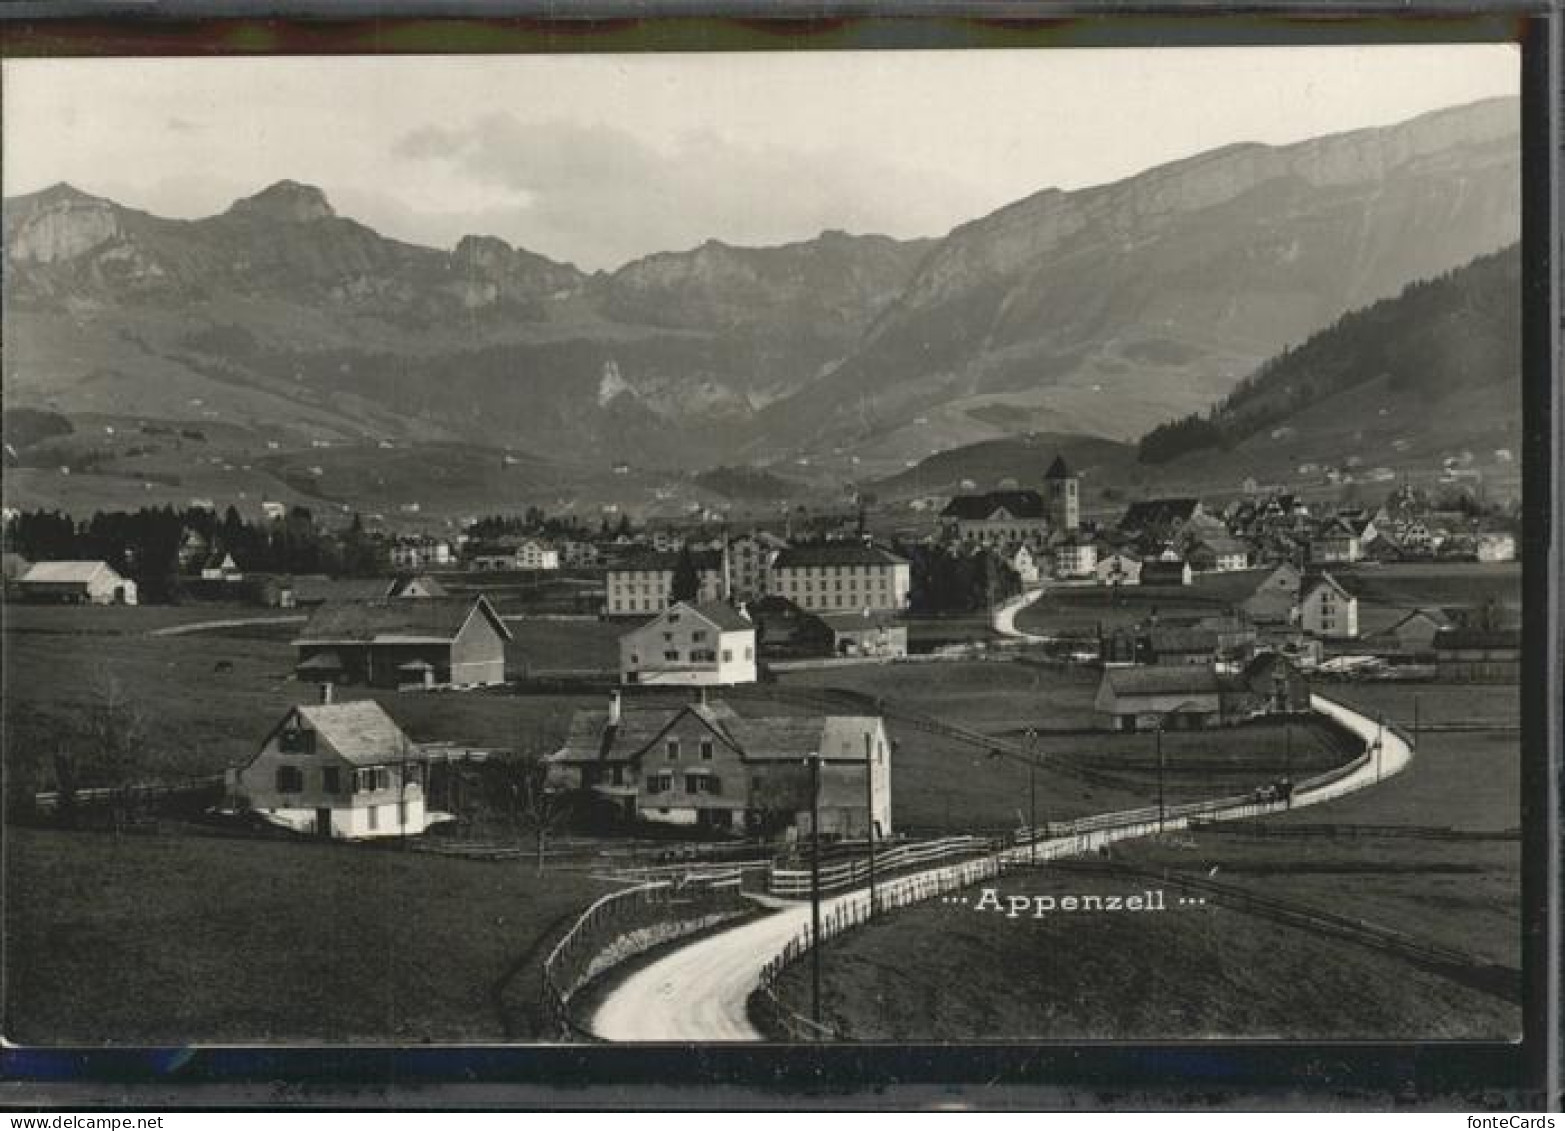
144 545
946 580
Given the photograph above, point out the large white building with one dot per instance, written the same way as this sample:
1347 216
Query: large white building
644 584
710 645
842 577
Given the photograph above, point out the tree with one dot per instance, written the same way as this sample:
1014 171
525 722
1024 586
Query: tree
526 790
103 748
686 585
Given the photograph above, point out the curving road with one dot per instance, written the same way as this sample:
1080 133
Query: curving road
700 992
1005 616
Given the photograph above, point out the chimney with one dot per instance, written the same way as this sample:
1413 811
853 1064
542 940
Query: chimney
614 708
326 691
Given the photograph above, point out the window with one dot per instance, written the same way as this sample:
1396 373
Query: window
331 779
749 653
370 779
706 750
671 749
728 654
698 636
672 655
290 779
373 813
619 775
296 740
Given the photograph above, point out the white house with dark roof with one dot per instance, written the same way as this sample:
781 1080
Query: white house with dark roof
75 583
1327 609
842 577
706 645
341 770
704 764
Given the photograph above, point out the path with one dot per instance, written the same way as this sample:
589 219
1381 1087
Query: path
214 625
701 992
1005 616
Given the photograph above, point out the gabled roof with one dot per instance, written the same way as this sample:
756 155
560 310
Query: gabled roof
836 553
1434 616
1310 584
765 739
429 585
1222 544
976 508
360 731
1178 679
658 560
719 614
435 619
60 573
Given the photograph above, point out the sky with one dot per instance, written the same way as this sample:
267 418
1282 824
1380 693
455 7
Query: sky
600 159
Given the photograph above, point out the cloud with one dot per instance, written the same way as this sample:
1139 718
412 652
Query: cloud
597 194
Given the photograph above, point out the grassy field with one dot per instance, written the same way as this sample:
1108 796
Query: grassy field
265 941
944 971
949 972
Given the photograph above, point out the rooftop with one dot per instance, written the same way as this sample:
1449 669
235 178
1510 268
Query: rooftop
365 622
360 731
836 553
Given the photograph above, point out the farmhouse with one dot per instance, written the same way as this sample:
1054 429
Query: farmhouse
1470 655
996 518
337 770
644 583
415 586
842 577
1327 609
703 764
399 643
1275 684
708 645
75 583
1175 698
1202 642
1020 557
533 554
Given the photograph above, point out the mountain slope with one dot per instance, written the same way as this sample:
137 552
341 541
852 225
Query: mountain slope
1108 309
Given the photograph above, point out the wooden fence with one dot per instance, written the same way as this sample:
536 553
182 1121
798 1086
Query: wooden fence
683 905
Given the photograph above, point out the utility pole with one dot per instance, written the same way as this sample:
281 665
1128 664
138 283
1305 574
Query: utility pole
1380 742
869 813
1161 810
1032 795
814 760
1415 718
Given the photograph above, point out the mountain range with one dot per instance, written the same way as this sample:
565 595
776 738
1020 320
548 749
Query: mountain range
1098 312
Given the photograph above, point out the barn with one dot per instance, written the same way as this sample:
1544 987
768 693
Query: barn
395 642
75 583
1176 697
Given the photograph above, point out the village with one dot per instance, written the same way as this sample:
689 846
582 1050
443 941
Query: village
735 708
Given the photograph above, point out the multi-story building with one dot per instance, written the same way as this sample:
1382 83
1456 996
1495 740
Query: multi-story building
842 577
644 583
703 764
1327 609
710 645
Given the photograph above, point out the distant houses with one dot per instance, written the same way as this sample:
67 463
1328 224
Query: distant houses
706 645
1276 599
1118 567
394 642
75 583
704 765
337 770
